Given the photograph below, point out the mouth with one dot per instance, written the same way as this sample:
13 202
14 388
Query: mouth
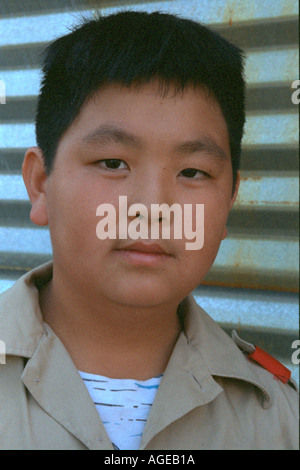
141 253
143 247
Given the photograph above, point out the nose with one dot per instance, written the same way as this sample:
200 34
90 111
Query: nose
148 191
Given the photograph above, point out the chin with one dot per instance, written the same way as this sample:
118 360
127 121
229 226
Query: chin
139 297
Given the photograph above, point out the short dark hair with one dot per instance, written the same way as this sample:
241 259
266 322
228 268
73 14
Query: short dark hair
132 47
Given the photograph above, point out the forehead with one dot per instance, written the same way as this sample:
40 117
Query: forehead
141 114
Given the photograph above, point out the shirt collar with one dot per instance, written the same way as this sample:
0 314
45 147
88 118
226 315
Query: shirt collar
207 345
21 322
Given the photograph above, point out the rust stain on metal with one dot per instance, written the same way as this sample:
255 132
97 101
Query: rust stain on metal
230 11
277 203
250 285
255 178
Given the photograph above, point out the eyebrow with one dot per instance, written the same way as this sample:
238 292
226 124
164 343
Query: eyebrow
108 133
203 145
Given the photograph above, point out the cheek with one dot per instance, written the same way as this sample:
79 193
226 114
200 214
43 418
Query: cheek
197 262
216 211
72 217
74 220
214 225
211 235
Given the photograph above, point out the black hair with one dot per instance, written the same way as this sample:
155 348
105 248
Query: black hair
132 47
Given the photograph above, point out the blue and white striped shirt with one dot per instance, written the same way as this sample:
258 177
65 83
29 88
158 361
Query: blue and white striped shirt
123 406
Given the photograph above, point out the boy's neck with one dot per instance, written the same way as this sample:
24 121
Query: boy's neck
110 339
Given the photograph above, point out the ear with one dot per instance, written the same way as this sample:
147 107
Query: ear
232 201
35 179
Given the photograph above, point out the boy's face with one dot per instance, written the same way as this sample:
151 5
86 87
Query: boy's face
135 143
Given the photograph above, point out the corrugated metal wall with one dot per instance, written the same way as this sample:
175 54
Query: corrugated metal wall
253 285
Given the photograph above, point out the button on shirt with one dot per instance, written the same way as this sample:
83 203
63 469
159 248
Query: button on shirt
210 397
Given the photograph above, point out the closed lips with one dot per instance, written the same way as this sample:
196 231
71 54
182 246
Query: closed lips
145 248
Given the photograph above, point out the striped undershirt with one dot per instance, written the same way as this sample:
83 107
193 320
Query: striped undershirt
123 406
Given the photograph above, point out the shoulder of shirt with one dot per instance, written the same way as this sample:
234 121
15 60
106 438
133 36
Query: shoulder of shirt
21 323
263 360
234 358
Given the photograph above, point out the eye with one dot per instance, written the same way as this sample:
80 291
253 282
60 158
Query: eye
112 164
192 173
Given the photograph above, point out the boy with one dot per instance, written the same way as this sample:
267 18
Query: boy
106 348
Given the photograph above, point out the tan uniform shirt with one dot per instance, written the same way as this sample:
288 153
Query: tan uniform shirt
210 397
